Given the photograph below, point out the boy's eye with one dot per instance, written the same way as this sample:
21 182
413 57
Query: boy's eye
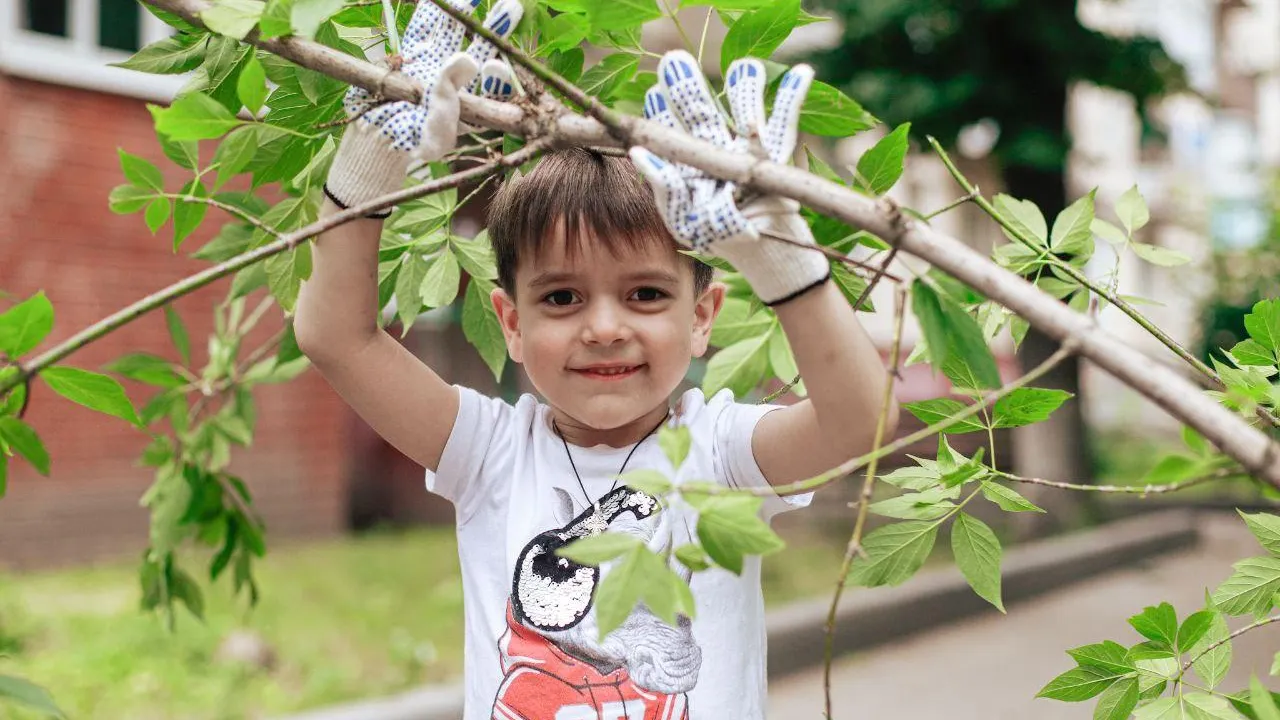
648 294
559 298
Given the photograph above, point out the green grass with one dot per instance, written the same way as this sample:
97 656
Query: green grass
347 619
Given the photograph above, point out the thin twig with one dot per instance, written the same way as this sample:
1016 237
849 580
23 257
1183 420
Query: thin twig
868 484
1142 490
284 243
968 197
1229 638
832 254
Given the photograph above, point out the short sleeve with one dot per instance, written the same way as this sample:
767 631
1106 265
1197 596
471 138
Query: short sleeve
460 478
735 424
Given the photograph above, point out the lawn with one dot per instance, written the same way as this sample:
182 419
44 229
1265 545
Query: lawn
347 619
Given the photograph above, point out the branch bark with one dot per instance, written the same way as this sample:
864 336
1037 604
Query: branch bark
1172 392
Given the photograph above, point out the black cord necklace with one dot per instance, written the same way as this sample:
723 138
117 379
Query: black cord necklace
598 525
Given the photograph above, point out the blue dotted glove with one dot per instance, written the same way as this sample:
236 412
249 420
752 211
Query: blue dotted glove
700 210
374 156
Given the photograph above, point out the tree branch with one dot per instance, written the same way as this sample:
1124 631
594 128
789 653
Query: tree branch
1246 444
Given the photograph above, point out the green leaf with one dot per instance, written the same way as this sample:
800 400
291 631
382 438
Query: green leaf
939 409
476 256
1008 499
1109 232
568 64
977 553
1155 255
440 283
195 116
178 333
693 557
739 367
757 33
1026 406
1203 706
1264 706
599 549
157 213
1252 352
1025 217
1194 628
187 216
926 305
276 19
621 14
651 482
1108 655
881 166
20 692
930 504
1132 210
308 15
830 113
92 390
783 361
1162 709
126 199
1263 324
893 553
21 437
285 273
969 363
675 443
729 527
1275 665
1079 684
1118 701
1158 623
738 322
251 86
820 168
619 590
236 150
233 18
1251 589
481 327
607 75
1072 229
142 173
1212 666
25 325
1265 527
172 55
147 368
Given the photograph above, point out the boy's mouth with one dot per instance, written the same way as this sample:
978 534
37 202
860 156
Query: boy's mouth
608 372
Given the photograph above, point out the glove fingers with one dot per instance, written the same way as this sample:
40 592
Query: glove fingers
668 186
436 36
440 130
780 134
745 81
495 81
690 98
502 20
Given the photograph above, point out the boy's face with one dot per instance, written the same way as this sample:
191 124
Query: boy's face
606 339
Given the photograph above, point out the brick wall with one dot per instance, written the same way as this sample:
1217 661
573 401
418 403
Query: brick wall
57 165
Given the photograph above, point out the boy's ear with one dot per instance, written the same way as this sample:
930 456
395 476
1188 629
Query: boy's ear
705 311
505 306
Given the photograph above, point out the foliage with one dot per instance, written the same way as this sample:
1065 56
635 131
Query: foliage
271 125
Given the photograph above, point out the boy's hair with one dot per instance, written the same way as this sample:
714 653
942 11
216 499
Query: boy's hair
592 194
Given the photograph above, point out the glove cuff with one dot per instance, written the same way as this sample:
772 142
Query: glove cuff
365 167
778 271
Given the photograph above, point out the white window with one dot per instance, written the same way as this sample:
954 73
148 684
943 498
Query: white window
70 42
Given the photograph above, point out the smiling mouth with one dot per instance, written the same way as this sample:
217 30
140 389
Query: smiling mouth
614 372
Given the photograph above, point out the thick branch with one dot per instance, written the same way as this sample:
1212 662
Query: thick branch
1246 444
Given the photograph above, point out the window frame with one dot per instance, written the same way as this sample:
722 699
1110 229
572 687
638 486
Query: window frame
77 60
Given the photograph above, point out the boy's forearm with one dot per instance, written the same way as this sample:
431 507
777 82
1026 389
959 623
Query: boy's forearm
337 307
843 373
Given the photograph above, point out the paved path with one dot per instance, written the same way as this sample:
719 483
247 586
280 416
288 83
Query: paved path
991 667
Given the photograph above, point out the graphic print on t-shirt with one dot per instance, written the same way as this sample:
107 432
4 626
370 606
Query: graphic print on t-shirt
554 665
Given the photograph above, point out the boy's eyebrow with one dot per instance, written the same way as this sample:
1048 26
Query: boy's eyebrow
559 277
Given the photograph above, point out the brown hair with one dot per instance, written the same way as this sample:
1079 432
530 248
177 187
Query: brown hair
592 195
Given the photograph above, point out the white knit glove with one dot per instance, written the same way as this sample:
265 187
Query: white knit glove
373 158
701 211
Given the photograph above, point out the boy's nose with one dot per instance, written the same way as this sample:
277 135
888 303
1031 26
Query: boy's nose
605 324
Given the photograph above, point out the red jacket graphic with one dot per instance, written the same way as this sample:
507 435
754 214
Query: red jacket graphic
542 682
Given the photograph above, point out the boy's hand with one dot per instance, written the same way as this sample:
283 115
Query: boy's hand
374 155
701 211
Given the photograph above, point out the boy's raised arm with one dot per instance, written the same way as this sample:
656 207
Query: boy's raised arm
335 321
841 366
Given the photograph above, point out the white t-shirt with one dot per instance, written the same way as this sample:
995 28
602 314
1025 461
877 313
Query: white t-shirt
531 653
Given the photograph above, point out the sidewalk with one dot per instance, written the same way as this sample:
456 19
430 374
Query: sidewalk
991 666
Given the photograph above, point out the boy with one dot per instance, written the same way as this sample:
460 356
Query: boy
604 314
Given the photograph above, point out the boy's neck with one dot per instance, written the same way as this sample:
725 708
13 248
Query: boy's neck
576 433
